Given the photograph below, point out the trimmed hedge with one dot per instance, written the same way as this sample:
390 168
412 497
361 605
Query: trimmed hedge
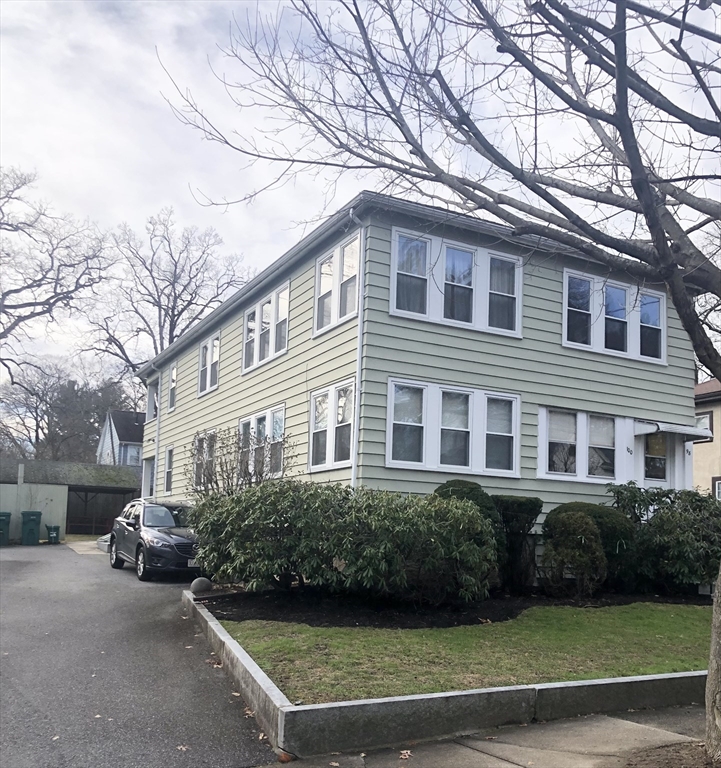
422 548
518 516
572 544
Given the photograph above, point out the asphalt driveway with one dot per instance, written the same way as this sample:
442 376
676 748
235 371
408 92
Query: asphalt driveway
99 670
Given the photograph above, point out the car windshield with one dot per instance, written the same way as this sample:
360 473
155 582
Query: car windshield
157 516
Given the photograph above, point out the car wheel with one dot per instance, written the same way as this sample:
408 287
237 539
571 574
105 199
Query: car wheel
141 565
115 560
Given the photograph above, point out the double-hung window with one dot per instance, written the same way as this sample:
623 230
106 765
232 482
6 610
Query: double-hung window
331 426
149 477
336 285
204 460
169 469
208 364
172 388
656 456
260 439
445 427
574 445
266 329
616 319
456 284
153 400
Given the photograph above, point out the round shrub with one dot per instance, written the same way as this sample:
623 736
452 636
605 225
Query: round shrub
617 537
518 516
572 545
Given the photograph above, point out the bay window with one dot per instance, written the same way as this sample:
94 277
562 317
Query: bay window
331 426
437 427
456 284
266 329
336 285
208 364
612 318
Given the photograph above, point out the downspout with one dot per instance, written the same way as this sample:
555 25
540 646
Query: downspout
157 432
359 359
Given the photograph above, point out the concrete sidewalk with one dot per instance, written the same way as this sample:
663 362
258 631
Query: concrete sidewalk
595 741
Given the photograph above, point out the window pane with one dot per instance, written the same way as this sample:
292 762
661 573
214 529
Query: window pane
459 267
651 310
250 325
499 416
281 335
171 398
249 353
458 303
264 345
502 311
499 452
407 404
503 276
602 431
260 428
562 458
651 341
324 303
282 310
278 425
407 443
319 445
326 276
412 256
455 447
411 294
348 297
245 435
454 410
655 468
601 462
214 374
704 421
276 458
615 302
344 411
656 444
578 327
562 427
342 442
350 260
579 294
320 412
615 335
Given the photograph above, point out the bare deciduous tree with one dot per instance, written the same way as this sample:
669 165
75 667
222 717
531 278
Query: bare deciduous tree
596 125
161 288
48 263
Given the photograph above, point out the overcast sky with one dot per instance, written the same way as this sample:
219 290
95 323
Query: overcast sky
82 104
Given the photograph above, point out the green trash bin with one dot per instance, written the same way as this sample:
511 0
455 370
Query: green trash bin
53 534
31 528
4 528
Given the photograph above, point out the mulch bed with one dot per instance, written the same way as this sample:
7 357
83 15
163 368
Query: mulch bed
318 608
674 756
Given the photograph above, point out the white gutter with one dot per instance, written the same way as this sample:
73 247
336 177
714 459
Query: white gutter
359 357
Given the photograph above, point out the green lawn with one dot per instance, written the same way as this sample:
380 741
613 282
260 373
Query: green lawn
321 664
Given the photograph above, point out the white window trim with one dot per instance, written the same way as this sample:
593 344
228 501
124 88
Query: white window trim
167 492
209 341
173 369
335 320
268 413
154 384
718 490
332 392
273 298
432 429
436 283
623 446
598 314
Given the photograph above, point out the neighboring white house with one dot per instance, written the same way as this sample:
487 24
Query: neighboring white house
121 441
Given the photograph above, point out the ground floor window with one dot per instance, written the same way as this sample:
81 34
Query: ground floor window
439 426
261 443
331 426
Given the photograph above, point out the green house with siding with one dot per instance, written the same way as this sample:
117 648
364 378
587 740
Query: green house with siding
400 345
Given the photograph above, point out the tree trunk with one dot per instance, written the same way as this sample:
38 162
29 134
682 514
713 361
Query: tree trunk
713 684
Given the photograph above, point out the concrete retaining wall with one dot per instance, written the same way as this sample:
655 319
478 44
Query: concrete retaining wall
317 729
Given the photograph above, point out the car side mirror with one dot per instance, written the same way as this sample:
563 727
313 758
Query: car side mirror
132 523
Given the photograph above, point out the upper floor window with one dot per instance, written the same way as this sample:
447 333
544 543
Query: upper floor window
434 426
605 316
172 387
336 285
208 364
576 445
455 284
261 443
331 426
153 400
266 329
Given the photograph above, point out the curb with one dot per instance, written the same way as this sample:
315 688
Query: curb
318 729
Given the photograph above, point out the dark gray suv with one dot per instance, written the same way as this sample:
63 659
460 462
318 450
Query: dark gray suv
154 538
